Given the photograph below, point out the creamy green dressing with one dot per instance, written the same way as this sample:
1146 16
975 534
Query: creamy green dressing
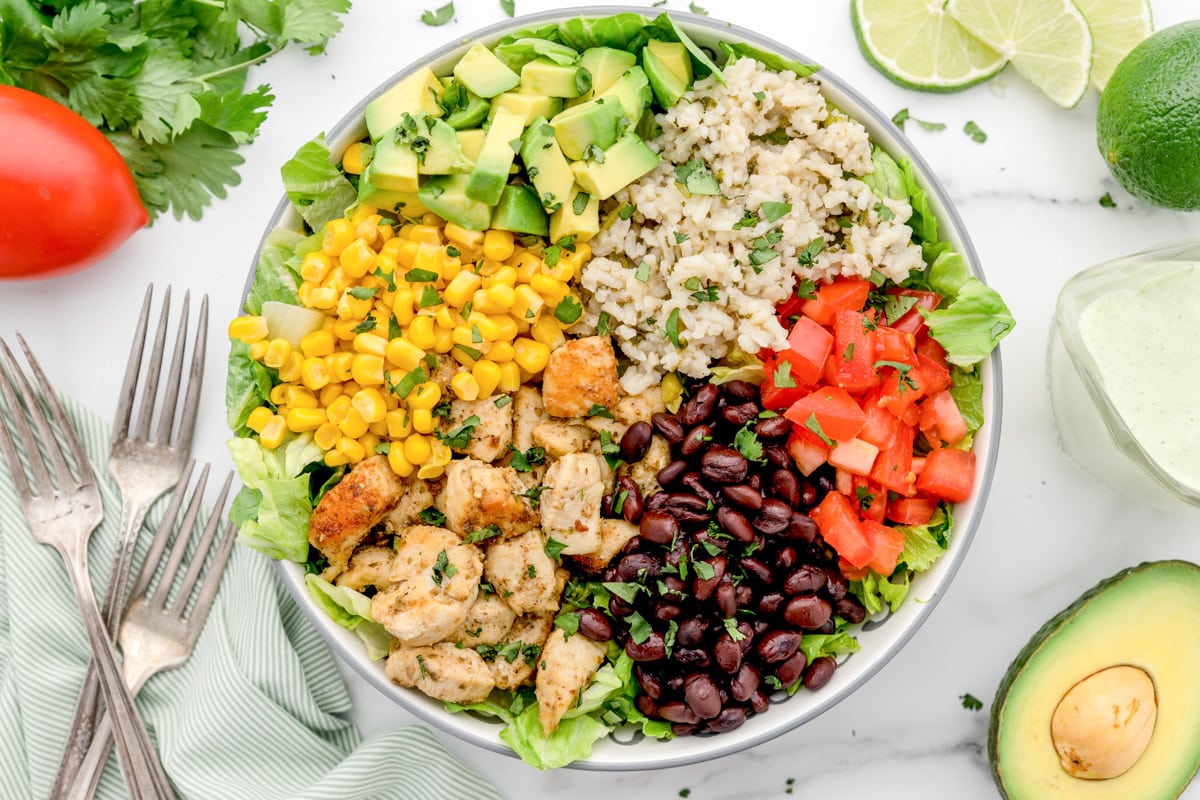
1146 346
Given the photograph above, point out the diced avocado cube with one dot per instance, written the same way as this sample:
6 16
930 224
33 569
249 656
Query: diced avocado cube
668 87
579 218
529 106
471 143
632 91
499 149
545 77
596 122
419 92
674 56
545 164
605 65
621 165
435 144
520 211
464 109
446 196
394 166
484 74
404 204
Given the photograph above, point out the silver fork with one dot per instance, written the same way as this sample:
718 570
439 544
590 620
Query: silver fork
62 505
144 466
160 630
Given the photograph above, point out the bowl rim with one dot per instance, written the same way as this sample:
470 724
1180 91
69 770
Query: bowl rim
879 127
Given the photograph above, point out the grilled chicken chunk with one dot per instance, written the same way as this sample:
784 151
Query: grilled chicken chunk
531 631
522 573
645 472
567 665
492 434
560 438
570 505
417 496
639 407
435 579
614 533
369 566
580 374
442 671
478 495
350 509
488 622
528 413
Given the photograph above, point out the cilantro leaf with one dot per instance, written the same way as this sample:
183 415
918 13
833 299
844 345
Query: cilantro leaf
971 703
975 132
697 178
508 7
438 17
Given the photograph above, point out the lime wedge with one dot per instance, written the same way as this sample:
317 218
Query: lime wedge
1117 25
1047 41
917 45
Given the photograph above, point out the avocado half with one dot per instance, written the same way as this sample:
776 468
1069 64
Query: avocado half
1146 618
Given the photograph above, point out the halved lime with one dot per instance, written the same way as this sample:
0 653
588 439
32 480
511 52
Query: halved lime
917 45
1116 25
1047 41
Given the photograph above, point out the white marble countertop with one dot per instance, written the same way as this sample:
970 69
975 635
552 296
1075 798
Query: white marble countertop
1029 197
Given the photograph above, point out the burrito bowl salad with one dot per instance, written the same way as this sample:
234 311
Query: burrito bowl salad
604 386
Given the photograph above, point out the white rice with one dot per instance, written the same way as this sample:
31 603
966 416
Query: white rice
815 171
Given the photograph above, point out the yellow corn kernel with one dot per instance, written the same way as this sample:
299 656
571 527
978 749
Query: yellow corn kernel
367 229
370 343
421 332
417 449
290 371
349 388
402 306
563 271
350 307
330 393
501 298
249 329
505 276
396 460
351 449
489 328
323 298
451 266
357 259
468 336
369 404
338 234
497 245
300 420
271 436
337 280
504 326
391 248
464 385
422 420
430 472
399 423
378 429
317 344
277 353
461 288
386 232
487 374
459 354
531 355
429 257
403 354
392 401
433 220
314 373
315 266
353 425
361 212
527 304
370 440
527 265
338 409
368 369
425 396
501 351
258 350
463 237
385 263
305 293
352 162
547 331
340 366
326 436
510 377
441 454
343 329
336 458
445 317
278 394
406 253
443 340
549 288
299 397
425 234
258 419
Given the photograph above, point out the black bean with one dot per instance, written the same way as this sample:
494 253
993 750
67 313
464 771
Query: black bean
694 482
703 588
739 414
666 612
700 407
692 657
668 426
805 578
743 495
729 719
595 625
735 524
747 632
673 585
807 611
651 683
638 565
696 440
691 631
836 584
760 702
770 603
773 428
786 486
680 729
726 596
742 390
755 483
808 494
635 441
727 654
702 696
792 669
774 516
685 507
776 645
672 472
658 527
786 556
678 712
778 455
646 704
724 465
632 506
801 527
819 673
825 481
850 609
618 607
606 505
757 569
745 596
652 649
744 683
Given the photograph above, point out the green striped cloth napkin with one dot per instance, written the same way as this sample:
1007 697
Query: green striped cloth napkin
258 712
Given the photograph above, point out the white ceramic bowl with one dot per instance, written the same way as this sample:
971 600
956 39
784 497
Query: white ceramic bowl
881 638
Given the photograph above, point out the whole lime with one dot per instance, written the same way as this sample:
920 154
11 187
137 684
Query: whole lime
1148 123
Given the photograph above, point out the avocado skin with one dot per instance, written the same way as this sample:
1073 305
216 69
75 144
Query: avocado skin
1043 635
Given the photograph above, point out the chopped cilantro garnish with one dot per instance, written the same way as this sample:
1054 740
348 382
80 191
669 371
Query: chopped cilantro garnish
483 534
975 132
672 329
554 548
598 410
971 703
643 272
782 377
775 211
406 384
429 297
438 16
362 293
568 311
697 178
442 568
421 276
431 516
815 426
460 437
527 460
580 203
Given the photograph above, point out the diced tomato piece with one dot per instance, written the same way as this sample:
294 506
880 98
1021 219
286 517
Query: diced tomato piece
842 530
836 412
872 500
818 311
854 456
843 294
881 426
886 545
854 351
912 321
911 510
776 397
918 465
807 450
893 466
895 345
948 474
932 349
900 391
790 306
809 346
852 573
932 376
941 421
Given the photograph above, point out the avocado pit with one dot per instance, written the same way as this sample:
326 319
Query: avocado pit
1103 724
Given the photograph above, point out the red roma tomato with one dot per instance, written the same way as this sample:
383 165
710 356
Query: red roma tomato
67 199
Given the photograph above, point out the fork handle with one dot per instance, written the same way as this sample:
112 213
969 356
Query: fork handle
87 777
144 775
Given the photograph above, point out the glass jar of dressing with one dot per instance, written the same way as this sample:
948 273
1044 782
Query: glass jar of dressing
1124 373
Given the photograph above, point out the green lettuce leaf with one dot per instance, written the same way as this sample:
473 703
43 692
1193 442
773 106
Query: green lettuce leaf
967 392
976 317
874 591
816 645
923 222
886 179
571 741
277 525
274 278
664 29
247 386
618 31
351 610
925 544
739 366
772 61
519 52
317 188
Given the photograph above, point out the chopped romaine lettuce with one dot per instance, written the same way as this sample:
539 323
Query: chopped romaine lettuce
976 318
316 187
739 366
516 53
663 28
923 545
351 610
275 505
274 279
247 386
967 392
618 31
772 61
886 179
